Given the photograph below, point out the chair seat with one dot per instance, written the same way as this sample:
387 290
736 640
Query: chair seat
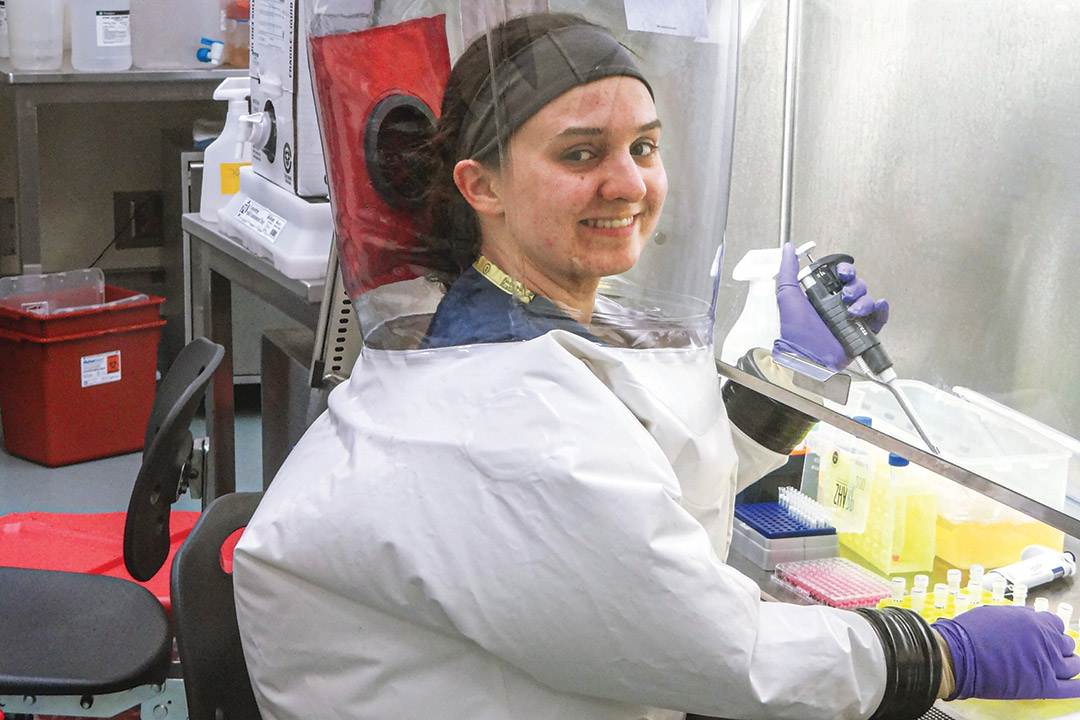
76 634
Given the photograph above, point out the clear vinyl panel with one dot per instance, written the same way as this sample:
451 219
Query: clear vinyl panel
526 166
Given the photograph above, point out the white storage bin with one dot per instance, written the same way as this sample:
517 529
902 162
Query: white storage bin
295 235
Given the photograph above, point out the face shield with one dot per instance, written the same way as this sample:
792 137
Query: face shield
499 170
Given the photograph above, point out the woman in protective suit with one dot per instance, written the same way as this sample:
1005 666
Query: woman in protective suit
528 517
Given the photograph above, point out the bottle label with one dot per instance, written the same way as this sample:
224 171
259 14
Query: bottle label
3 18
113 28
261 220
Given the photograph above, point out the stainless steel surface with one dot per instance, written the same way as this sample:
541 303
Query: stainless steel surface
217 262
28 91
1051 516
68 74
289 403
791 67
939 143
338 339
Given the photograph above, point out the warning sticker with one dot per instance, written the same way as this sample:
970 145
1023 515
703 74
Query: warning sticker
100 369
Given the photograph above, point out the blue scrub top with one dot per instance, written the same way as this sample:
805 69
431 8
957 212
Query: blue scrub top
475 310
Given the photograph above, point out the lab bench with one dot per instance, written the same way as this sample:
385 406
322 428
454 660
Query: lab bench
217 262
28 91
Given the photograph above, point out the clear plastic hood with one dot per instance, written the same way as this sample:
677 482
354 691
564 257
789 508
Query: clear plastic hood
498 170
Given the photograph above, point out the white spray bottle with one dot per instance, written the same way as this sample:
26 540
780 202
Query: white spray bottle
226 155
759 323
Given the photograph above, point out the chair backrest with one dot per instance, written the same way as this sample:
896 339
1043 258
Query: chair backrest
204 615
167 448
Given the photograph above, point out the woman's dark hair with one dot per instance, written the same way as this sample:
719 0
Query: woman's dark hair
452 241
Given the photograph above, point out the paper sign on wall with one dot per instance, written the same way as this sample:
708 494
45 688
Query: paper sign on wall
689 18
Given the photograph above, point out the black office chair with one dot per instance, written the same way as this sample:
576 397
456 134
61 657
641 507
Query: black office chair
167 453
204 615
88 645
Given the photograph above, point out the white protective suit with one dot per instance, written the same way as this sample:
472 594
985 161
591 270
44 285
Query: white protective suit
527 531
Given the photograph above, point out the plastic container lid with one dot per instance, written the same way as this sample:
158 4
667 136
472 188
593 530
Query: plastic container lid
897 461
238 10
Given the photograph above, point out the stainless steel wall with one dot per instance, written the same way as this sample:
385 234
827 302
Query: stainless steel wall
937 141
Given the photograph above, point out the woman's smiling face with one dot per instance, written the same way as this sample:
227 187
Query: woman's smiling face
583 188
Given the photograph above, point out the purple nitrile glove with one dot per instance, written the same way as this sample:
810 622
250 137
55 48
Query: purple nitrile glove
802 331
1006 652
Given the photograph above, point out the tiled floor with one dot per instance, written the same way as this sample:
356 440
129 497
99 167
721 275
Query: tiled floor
104 485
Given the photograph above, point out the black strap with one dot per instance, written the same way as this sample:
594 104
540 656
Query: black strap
764 420
912 659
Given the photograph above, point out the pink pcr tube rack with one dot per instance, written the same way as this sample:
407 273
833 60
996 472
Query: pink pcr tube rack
836 582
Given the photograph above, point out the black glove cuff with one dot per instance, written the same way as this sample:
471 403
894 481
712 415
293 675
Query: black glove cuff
913 663
765 421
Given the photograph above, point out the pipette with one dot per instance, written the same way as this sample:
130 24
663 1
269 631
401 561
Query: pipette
822 285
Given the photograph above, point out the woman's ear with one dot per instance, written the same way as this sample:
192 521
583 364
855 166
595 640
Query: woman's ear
479 186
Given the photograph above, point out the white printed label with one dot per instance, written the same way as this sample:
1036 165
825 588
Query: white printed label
113 28
273 26
40 307
3 18
689 18
261 220
100 369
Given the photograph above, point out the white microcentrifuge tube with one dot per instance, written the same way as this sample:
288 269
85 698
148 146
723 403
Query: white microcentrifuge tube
975 591
1019 594
975 574
998 593
961 603
953 577
941 595
1065 611
899 585
918 598
1042 604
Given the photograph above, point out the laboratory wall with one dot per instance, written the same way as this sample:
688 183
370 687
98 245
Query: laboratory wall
939 144
88 152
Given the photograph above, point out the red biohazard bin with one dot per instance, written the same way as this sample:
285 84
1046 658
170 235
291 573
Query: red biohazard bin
79 386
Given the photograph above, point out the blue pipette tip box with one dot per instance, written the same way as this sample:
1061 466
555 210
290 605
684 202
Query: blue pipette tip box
767 534
773 521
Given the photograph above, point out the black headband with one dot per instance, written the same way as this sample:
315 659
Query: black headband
556 62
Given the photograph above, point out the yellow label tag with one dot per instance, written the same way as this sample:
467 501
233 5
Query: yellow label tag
230 177
501 280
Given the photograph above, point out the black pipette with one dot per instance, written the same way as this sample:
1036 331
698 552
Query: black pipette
822 285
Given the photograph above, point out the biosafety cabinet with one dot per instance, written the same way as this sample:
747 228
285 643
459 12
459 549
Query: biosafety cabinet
937 144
